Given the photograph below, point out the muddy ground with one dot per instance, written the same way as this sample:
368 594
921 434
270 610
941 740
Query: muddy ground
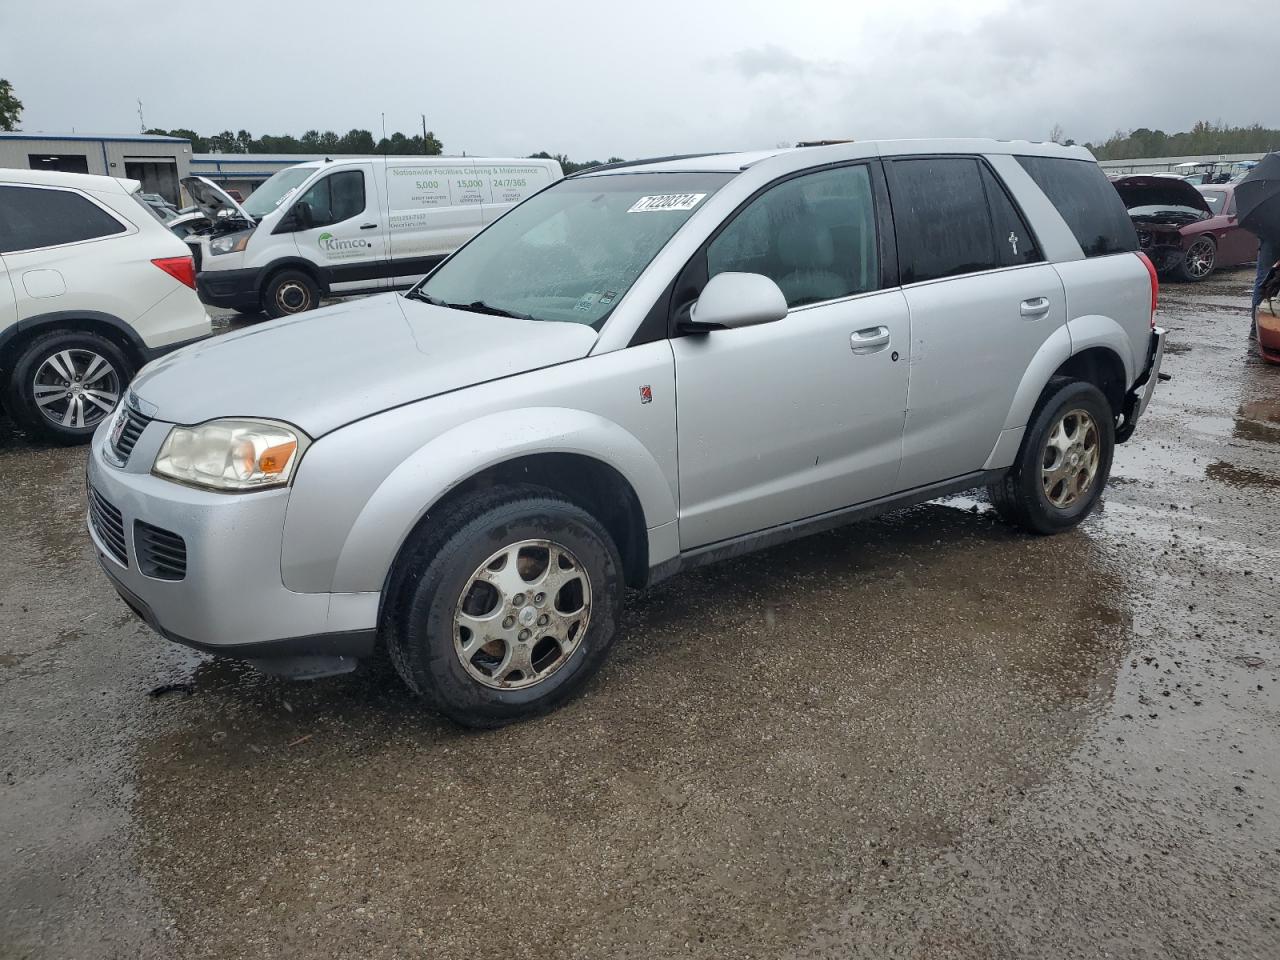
924 736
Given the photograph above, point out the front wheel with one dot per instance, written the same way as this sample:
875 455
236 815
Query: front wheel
1200 259
507 604
290 292
1064 461
65 383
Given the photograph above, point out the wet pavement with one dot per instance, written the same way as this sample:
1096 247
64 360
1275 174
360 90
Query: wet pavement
923 736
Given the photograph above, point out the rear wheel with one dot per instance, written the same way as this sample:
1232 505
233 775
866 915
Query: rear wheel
507 604
1199 260
1064 462
66 383
290 292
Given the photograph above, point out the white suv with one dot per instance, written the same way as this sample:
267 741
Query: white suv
92 286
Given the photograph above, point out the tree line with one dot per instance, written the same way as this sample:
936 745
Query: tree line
353 141
1204 138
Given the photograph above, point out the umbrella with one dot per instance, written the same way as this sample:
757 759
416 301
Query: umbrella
1258 198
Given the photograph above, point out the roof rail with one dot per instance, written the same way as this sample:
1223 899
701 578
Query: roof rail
642 162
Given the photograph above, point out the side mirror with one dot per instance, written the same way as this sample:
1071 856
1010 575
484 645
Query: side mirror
731 300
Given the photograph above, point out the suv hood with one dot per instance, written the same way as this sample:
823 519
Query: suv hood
324 369
1159 191
213 201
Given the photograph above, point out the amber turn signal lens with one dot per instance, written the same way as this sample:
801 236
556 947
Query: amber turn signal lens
274 459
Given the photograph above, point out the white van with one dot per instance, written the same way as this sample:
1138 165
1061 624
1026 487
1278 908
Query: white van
332 227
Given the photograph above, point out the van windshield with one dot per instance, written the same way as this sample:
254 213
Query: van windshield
571 252
274 191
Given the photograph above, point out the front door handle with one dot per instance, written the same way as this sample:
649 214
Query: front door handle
1035 308
869 340
368 226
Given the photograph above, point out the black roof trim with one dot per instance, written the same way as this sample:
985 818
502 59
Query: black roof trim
647 160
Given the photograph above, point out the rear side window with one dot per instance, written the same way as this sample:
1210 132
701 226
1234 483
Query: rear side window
1087 202
338 197
32 217
1015 244
813 235
943 224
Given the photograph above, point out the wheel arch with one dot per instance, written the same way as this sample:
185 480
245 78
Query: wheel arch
16 337
592 461
315 272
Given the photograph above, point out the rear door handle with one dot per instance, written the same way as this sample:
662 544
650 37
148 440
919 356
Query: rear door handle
368 226
1035 308
869 340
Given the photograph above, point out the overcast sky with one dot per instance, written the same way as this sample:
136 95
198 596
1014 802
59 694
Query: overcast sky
635 79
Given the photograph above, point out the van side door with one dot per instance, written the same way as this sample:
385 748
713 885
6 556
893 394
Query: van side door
337 224
982 302
505 185
788 420
434 207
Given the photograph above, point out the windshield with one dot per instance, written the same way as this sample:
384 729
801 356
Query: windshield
1215 199
1162 210
572 251
162 217
274 190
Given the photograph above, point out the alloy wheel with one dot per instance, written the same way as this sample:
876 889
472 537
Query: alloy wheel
1069 463
522 615
76 388
1200 258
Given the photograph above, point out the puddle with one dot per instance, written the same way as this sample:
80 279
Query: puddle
1234 476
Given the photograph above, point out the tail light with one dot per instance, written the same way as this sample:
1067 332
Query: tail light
1155 285
182 269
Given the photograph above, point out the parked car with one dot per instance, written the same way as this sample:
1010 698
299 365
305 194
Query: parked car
471 474
1180 231
92 286
349 226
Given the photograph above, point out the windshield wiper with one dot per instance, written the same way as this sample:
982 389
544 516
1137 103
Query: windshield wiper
476 306
479 306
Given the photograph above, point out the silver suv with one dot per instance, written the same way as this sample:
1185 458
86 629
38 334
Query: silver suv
642 368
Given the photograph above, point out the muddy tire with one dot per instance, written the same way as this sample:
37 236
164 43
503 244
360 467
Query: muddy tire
506 604
1064 461
1199 261
63 384
290 292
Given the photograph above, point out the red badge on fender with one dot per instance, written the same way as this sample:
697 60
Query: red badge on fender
646 394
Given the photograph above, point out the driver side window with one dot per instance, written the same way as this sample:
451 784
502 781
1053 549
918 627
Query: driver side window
814 236
338 197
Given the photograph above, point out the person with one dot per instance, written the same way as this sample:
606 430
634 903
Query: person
1268 254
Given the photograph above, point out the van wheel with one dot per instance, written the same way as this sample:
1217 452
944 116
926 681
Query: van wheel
1199 260
1064 461
506 605
290 292
65 383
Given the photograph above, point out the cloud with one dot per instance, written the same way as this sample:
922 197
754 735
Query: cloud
773 60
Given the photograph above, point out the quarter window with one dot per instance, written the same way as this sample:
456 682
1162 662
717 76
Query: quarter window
815 236
942 219
338 197
33 217
1087 202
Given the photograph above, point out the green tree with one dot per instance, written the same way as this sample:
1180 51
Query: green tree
10 107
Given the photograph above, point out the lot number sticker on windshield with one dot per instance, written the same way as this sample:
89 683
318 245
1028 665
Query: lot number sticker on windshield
666 201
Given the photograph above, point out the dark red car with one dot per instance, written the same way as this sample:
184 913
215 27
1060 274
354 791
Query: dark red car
1187 231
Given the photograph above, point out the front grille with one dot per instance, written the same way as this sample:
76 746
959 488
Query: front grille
160 553
134 424
108 523
196 253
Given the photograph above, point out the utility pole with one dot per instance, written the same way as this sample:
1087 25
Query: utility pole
142 124
424 133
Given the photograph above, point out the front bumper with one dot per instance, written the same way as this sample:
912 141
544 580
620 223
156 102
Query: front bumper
230 600
1138 398
230 289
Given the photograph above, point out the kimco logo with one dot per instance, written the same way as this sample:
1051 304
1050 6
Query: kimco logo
331 244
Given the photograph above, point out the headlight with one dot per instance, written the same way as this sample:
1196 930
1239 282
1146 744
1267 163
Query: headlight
231 454
231 243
